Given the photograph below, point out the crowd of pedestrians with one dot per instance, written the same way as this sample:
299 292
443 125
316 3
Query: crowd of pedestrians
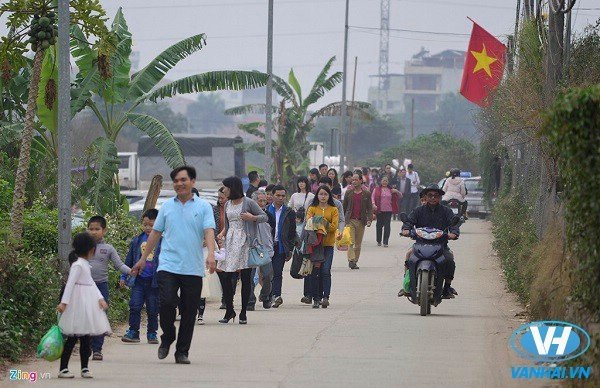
188 239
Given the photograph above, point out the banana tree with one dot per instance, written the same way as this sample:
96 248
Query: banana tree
294 120
113 95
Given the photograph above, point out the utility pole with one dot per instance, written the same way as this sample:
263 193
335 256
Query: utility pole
64 136
342 134
348 139
567 43
269 102
554 57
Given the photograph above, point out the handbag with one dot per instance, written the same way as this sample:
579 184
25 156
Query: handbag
296 264
258 255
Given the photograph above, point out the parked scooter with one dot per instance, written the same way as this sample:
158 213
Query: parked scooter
426 265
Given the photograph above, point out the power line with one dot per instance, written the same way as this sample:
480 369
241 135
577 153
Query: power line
240 36
225 4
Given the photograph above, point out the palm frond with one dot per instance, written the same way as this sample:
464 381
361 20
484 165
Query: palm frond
296 85
253 129
284 90
359 110
318 85
326 86
9 133
249 109
210 82
147 78
106 167
162 137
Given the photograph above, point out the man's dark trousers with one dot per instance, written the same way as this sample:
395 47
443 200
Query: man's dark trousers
278 264
190 288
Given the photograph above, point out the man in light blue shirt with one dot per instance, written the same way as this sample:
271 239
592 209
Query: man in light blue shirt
184 222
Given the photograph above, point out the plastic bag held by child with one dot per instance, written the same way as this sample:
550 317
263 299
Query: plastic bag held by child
51 346
346 240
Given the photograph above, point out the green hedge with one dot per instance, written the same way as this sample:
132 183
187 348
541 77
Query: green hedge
514 241
573 128
29 294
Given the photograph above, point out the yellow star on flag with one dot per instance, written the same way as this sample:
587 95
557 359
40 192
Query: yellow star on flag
483 61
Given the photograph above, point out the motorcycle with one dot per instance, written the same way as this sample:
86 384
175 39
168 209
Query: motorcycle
426 265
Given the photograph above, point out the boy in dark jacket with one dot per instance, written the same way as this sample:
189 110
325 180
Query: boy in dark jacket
145 286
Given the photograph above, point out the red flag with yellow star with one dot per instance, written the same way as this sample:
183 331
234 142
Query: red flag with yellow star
484 66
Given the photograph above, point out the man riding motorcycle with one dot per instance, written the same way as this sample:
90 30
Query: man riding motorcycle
454 188
435 215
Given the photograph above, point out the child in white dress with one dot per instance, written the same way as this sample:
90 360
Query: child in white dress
82 306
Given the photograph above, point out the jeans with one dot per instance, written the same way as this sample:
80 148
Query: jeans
98 340
266 273
142 293
84 351
320 278
383 224
190 288
278 264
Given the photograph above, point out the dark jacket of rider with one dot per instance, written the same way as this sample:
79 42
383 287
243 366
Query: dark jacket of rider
425 216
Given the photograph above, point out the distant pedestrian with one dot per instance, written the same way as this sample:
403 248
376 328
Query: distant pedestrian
415 182
385 200
336 188
240 230
254 179
346 182
404 187
313 177
323 168
303 197
358 210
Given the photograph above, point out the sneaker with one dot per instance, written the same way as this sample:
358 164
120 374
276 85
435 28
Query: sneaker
325 303
446 293
316 304
306 300
378 244
152 338
86 374
453 291
97 356
65 374
402 293
385 245
250 308
200 320
352 265
131 336
277 302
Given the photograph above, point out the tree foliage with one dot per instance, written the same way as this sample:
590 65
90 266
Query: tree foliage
432 155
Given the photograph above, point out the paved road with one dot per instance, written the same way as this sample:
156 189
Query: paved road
367 337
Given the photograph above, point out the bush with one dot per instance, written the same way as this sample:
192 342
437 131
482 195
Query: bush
514 241
40 229
573 127
28 299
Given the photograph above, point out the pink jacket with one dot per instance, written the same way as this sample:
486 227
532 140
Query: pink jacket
455 189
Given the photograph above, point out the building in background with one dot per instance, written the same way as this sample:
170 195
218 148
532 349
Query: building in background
425 80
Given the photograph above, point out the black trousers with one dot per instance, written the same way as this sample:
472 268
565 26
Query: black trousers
85 351
228 290
383 225
190 289
450 265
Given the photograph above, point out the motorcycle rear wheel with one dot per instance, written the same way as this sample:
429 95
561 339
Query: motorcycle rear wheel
424 293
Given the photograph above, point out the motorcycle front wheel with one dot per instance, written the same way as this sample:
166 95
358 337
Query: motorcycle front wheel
424 293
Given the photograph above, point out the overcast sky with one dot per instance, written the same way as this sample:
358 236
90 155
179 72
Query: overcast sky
308 32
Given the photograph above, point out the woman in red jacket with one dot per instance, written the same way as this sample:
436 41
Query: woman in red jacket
385 199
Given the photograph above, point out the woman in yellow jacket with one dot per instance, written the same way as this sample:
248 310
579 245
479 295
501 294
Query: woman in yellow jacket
323 207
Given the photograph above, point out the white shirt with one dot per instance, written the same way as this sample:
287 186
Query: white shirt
298 200
414 181
277 216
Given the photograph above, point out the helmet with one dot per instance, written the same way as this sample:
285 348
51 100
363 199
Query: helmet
447 174
454 172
